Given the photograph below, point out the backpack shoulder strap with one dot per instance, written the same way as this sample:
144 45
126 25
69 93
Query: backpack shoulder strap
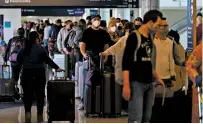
138 39
138 43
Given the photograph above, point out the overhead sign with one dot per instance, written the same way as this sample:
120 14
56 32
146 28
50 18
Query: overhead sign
52 12
72 3
190 24
93 12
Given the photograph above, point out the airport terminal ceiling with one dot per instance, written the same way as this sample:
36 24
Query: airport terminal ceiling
72 3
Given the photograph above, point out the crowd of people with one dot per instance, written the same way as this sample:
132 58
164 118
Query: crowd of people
139 52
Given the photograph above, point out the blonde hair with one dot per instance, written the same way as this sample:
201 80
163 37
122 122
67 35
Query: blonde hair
112 19
111 23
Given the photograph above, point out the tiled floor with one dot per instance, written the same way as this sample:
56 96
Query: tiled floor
14 113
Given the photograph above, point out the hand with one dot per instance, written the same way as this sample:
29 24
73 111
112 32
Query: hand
103 54
5 63
126 92
59 70
65 51
162 83
61 51
85 56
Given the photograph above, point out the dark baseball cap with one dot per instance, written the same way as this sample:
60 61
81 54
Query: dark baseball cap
96 15
59 21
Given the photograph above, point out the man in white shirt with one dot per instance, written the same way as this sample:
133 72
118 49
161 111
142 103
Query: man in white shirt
47 30
166 54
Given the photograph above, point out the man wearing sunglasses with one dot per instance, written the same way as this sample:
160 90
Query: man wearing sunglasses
166 54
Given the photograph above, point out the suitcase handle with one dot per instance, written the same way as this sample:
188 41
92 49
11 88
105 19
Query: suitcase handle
57 78
9 72
164 93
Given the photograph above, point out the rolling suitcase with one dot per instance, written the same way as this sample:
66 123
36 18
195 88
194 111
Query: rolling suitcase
7 86
111 93
61 100
112 99
92 101
77 90
164 105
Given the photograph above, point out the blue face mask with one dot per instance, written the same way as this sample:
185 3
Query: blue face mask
2 43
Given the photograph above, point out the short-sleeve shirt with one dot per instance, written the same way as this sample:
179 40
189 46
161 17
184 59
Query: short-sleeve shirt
95 40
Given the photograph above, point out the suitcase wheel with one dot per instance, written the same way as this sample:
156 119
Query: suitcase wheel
72 121
49 121
87 115
118 116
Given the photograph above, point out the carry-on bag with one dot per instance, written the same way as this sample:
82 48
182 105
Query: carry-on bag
7 86
111 94
61 99
163 106
77 73
92 100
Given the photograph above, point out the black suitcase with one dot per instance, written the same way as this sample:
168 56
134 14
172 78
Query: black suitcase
172 109
92 101
61 100
7 86
112 99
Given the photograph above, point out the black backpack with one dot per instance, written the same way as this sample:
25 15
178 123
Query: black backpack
69 41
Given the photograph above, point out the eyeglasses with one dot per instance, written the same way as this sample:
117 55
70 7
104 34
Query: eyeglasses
163 25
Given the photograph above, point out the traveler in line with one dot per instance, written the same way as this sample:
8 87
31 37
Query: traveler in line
117 50
78 37
94 41
167 52
114 38
55 28
31 59
138 22
64 46
138 72
47 30
120 24
14 46
63 33
180 81
199 27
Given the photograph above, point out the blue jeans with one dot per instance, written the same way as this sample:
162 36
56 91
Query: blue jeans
141 102
46 42
83 88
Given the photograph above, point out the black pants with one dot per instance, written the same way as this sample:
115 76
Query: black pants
78 55
15 72
33 83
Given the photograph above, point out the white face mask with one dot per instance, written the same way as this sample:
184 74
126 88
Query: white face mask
113 29
117 24
96 24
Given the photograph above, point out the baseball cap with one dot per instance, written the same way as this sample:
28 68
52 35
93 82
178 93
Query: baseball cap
96 15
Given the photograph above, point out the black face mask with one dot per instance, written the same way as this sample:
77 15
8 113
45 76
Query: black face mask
120 28
137 27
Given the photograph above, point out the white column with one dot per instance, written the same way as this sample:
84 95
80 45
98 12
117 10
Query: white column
114 12
136 13
147 5
126 14
87 13
105 14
